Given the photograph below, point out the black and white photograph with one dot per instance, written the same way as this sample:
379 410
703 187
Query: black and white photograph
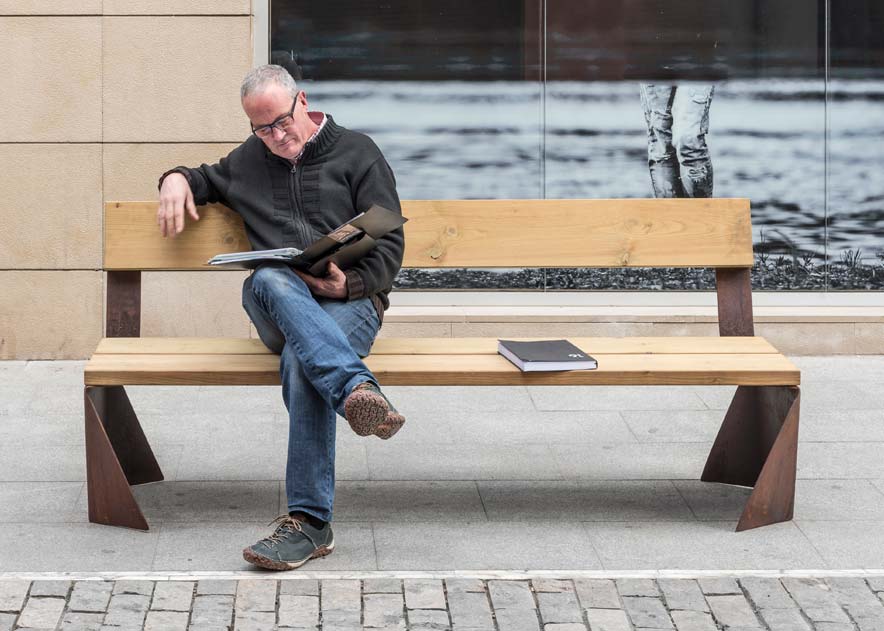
632 99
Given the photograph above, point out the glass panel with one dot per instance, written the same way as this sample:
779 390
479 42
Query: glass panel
692 98
855 235
450 91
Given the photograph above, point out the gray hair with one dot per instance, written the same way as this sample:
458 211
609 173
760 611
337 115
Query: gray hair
260 78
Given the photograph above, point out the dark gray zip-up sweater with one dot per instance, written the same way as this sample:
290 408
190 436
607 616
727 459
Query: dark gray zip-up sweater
340 174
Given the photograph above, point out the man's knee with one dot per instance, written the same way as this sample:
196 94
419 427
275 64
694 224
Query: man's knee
274 279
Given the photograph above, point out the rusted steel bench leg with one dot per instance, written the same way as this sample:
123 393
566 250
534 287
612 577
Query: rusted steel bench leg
117 456
757 446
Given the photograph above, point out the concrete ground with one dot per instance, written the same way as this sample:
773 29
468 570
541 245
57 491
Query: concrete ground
514 479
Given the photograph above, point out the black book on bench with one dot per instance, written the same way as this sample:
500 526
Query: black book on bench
545 355
344 245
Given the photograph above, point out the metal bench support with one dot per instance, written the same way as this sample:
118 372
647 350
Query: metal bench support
117 456
757 446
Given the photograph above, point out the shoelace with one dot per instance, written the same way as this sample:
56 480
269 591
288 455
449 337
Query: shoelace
286 525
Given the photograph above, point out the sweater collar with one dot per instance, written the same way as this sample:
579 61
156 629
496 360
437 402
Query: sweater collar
324 140
317 146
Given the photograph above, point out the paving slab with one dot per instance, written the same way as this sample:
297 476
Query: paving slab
511 595
391 461
412 501
465 398
614 398
424 594
76 547
674 426
13 594
620 461
41 613
479 546
173 595
259 460
298 611
683 594
60 589
608 620
516 427
847 544
713 546
840 460
597 593
584 500
814 499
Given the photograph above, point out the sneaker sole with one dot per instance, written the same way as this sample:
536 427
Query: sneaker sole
387 429
261 561
365 411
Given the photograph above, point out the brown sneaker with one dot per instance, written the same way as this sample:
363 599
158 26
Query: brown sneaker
370 412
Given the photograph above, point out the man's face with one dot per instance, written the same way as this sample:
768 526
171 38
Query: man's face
287 137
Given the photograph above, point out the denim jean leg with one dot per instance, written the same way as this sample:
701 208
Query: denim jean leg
662 160
267 330
323 351
310 466
691 120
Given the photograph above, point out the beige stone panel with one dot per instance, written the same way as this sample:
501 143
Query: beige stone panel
392 328
809 338
550 329
50 201
50 7
869 338
193 304
131 171
51 79
175 79
179 7
50 314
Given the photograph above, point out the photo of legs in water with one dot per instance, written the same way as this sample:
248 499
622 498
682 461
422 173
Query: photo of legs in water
677 117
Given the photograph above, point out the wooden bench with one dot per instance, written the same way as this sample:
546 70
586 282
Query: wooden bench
756 445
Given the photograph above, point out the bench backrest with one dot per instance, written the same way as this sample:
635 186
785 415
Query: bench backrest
606 233
480 233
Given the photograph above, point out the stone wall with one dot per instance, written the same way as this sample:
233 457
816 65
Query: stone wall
98 98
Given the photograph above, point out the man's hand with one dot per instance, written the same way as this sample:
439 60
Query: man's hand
175 197
332 285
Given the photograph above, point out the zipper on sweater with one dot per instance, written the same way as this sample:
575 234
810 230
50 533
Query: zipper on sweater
299 218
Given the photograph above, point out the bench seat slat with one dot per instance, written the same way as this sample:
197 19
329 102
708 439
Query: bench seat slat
487 369
442 345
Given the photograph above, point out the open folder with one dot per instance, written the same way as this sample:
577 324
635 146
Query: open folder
344 245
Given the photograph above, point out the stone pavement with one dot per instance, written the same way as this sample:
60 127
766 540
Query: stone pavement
707 603
480 479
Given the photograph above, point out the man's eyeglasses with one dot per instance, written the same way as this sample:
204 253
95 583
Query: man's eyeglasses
280 123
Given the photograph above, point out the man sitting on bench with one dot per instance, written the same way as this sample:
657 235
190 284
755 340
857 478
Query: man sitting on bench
321 327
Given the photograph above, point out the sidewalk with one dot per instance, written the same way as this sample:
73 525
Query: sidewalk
559 479
704 604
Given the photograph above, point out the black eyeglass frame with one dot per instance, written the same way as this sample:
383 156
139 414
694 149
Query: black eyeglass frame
279 123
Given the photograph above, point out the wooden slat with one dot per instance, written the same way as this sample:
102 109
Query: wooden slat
482 233
132 238
444 345
686 369
579 233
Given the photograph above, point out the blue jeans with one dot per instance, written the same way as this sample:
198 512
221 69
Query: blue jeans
320 342
678 121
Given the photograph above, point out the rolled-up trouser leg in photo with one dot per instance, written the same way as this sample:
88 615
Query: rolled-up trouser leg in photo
690 113
662 159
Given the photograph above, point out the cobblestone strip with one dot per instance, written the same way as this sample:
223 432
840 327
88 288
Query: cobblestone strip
456 604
